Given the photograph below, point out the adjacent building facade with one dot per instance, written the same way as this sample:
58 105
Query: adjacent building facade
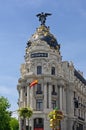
59 84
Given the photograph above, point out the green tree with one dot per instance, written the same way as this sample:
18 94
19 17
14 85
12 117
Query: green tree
14 124
25 113
4 114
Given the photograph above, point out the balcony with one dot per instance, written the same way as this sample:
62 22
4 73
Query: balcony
76 103
54 93
82 105
80 118
39 92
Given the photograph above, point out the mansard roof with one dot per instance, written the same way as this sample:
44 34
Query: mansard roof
80 77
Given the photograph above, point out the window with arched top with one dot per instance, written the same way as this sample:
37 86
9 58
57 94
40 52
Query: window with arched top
52 70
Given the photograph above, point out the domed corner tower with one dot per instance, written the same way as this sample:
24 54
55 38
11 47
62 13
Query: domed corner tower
42 59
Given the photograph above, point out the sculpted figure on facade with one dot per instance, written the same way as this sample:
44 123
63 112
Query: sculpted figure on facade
28 65
31 65
46 66
60 72
23 69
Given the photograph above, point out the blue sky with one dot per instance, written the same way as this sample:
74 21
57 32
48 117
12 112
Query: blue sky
18 22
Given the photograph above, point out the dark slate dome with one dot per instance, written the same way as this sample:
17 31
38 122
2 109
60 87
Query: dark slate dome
43 33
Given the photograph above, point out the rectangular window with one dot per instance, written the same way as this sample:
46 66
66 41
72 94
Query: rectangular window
39 90
39 69
53 90
39 104
53 104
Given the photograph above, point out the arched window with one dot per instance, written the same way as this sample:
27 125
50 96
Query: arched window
53 71
39 69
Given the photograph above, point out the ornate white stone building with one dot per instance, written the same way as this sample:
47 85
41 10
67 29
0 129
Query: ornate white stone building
59 84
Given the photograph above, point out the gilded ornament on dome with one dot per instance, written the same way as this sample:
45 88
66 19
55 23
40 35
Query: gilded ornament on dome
46 33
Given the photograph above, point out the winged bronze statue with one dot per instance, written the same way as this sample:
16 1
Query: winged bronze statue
42 17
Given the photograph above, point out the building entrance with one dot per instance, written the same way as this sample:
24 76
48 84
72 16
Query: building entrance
38 124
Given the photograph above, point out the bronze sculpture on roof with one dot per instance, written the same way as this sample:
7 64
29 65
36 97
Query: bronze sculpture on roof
42 17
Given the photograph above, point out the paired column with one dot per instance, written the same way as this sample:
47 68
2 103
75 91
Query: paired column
50 99
47 96
21 95
21 103
31 101
30 97
60 97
